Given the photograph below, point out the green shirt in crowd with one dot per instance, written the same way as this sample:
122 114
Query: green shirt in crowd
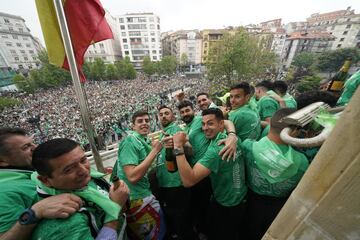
17 192
197 139
227 178
290 102
267 106
272 169
132 151
247 122
166 178
349 89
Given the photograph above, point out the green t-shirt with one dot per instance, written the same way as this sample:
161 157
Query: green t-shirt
265 131
349 89
227 178
17 192
197 139
258 180
132 151
267 106
166 178
74 227
246 121
290 102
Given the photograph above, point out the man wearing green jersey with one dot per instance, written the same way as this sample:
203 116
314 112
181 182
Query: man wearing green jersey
62 167
267 106
245 119
20 210
135 156
173 197
201 192
226 209
273 169
280 88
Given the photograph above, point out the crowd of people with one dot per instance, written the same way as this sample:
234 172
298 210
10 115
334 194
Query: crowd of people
55 112
225 174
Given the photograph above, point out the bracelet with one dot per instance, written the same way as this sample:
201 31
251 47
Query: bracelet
231 133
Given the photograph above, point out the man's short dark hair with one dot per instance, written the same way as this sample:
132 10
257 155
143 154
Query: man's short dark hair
164 106
216 111
268 85
280 86
276 123
5 133
244 86
49 150
185 103
309 97
137 114
202 93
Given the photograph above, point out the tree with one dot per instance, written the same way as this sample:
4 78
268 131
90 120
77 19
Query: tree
183 60
168 65
24 84
148 66
98 69
308 83
8 102
87 70
331 61
304 60
111 72
129 70
239 57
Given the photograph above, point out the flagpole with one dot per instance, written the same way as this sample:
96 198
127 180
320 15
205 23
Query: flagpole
76 81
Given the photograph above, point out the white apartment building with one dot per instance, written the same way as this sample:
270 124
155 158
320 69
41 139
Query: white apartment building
183 42
140 37
18 48
108 50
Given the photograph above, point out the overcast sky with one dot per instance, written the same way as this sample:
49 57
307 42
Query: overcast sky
198 14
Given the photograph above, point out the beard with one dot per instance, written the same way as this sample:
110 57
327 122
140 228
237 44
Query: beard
188 119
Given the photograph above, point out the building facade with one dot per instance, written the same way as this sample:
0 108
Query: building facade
108 50
185 45
140 37
18 48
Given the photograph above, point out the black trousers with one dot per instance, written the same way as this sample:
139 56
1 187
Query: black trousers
261 211
199 203
226 222
175 202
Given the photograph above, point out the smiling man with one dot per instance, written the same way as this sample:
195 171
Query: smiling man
135 155
204 101
62 167
227 178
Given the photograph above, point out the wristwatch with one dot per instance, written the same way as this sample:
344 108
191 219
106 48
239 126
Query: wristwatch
28 217
178 152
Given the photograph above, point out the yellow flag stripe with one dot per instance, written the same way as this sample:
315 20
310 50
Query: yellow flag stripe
51 31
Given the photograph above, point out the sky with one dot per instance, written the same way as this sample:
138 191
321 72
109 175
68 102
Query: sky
198 14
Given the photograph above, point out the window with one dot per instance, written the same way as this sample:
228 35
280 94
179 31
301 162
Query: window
151 19
16 58
137 26
152 33
12 51
124 40
126 47
152 26
141 19
342 39
154 51
4 36
135 33
339 45
126 52
20 66
123 34
121 20
122 27
28 45
11 29
102 51
348 26
152 39
34 58
345 33
154 58
21 30
22 51
158 27
14 37
6 20
18 44
104 58
25 38
101 45
130 19
9 44
26 58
